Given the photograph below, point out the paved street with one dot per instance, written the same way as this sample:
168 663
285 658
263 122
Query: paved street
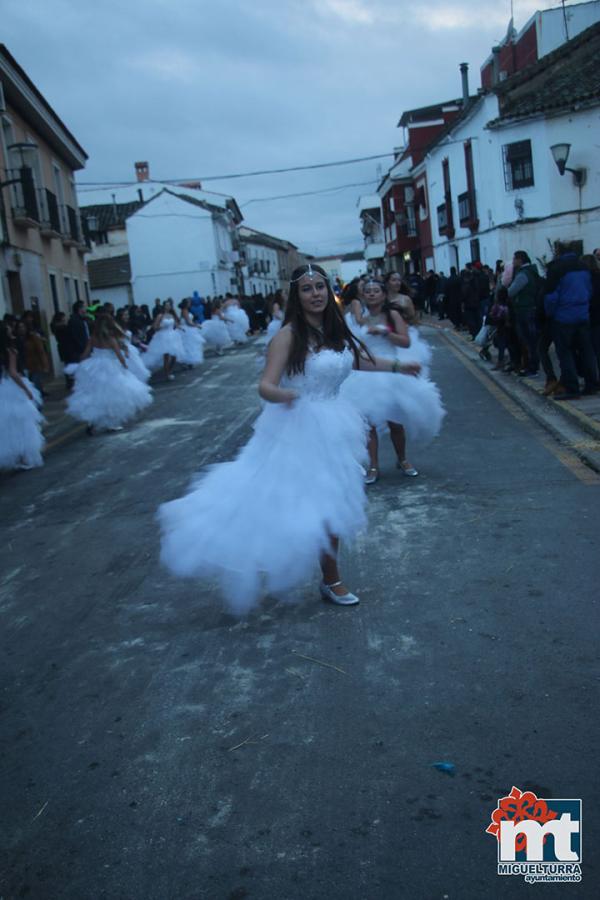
155 748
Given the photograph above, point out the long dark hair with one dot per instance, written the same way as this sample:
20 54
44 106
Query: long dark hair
335 335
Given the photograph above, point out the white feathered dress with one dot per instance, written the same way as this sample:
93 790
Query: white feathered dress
135 361
166 340
215 333
383 397
193 344
105 394
259 524
238 324
21 439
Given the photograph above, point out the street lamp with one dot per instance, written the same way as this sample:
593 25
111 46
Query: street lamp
560 152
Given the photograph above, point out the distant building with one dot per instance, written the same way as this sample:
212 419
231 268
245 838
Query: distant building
267 261
42 240
172 239
345 266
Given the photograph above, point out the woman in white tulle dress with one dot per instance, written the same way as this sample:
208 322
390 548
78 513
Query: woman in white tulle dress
166 346
296 488
398 296
106 394
236 320
407 406
191 335
135 362
21 439
214 330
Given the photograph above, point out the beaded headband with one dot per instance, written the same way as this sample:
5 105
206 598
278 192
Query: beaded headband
311 274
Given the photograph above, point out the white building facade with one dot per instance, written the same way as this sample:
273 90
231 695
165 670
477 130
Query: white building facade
493 184
179 244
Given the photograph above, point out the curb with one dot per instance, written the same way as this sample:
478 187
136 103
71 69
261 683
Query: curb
564 423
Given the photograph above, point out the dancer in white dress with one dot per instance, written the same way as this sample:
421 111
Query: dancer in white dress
106 394
398 297
277 317
166 344
214 330
191 335
296 487
21 439
236 320
406 405
135 362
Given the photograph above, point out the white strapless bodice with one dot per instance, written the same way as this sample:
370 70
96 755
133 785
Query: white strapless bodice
167 322
324 373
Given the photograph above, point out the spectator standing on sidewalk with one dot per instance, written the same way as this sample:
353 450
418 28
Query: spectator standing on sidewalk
567 302
452 298
79 331
523 293
592 264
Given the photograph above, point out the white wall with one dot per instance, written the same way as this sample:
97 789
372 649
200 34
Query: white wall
550 24
119 296
174 251
352 269
552 198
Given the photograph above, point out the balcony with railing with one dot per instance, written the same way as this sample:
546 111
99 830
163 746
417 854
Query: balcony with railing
442 218
49 214
24 204
467 211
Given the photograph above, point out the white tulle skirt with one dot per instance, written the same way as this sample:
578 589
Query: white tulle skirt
259 524
105 394
238 324
215 333
419 351
383 397
21 439
193 346
136 364
165 340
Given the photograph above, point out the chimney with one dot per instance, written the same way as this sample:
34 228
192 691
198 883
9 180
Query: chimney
464 74
495 65
142 171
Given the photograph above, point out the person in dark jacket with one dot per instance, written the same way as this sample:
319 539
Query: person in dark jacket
523 293
592 264
567 303
453 297
79 332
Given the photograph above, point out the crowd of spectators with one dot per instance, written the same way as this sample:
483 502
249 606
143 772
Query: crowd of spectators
522 314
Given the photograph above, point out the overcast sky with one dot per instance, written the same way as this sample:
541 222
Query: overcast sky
208 87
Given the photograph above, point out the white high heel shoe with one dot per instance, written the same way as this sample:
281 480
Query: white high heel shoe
339 599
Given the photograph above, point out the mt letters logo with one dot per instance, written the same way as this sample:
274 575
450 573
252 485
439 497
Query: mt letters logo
539 839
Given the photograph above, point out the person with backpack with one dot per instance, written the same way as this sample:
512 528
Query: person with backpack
523 293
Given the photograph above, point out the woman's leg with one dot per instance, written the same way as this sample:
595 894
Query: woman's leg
398 436
330 570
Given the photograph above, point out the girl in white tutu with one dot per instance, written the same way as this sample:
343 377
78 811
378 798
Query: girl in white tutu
214 330
191 335
236 320
106 394
296 487
21 439
166 345
277 316
407 405
134 359
398 297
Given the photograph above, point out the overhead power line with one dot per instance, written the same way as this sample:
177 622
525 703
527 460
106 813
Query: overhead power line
201 178
339 187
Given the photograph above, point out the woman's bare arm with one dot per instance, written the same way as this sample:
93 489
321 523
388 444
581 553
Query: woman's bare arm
277 360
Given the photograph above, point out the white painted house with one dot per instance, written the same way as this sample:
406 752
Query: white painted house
179 244
157 240
493 183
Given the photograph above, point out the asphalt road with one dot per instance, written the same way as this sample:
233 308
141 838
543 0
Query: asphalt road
154 748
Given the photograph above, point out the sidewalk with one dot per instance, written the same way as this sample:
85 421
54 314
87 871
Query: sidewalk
575 423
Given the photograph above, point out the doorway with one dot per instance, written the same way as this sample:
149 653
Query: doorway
16 293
